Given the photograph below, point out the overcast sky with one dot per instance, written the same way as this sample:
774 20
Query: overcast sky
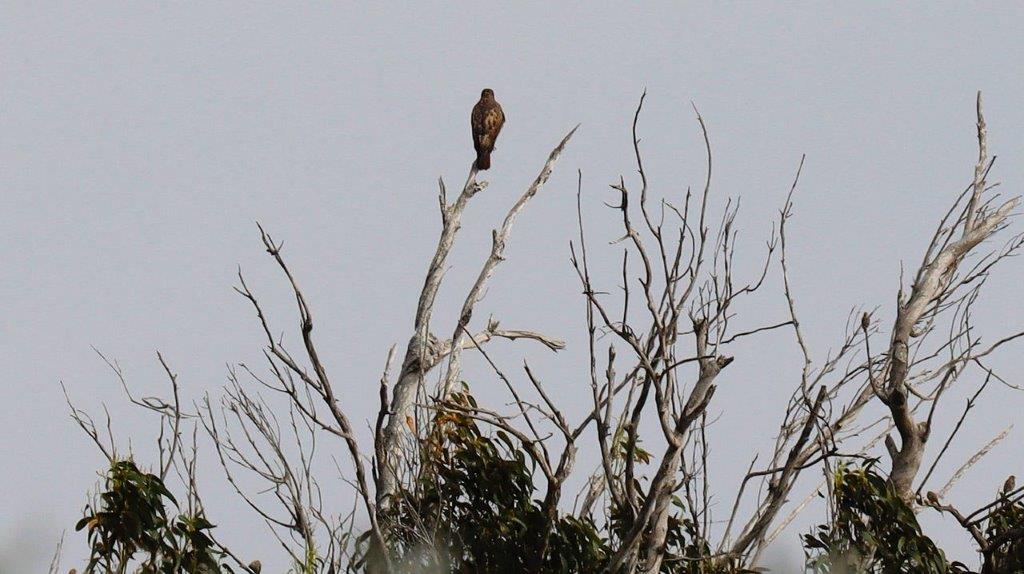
139 143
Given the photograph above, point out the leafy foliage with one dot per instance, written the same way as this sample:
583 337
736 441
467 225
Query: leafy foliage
873 531
686 550
132 527
1004 533
478 502
480 505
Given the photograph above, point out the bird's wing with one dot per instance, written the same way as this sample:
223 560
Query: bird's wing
476 118
477 122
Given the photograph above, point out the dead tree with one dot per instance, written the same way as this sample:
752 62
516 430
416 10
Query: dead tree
424 351
656 348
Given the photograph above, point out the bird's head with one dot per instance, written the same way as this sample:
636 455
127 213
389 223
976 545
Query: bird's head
487 94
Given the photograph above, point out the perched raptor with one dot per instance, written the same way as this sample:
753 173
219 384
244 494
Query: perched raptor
487 119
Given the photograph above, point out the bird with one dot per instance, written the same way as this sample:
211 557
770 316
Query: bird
486 121
1010 484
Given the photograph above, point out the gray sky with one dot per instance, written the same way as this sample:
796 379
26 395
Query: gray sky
139 143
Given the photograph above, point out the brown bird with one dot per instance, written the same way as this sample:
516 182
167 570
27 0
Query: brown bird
1010 484
486 120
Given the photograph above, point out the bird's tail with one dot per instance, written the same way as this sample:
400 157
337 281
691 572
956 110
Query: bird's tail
483 160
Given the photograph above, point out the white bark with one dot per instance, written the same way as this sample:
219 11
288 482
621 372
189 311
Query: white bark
424 351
